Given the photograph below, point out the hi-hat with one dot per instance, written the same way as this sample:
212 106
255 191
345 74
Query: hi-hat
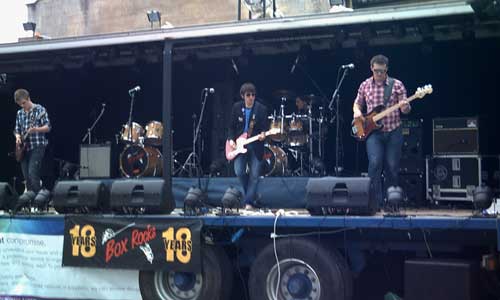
288 94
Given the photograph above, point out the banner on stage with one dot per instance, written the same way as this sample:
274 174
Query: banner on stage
31 266
132 243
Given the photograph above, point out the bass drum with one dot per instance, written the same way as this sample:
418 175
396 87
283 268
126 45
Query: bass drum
138 161
275 161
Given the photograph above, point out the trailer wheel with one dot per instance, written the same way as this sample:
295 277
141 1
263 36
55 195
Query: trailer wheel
307 271
210 283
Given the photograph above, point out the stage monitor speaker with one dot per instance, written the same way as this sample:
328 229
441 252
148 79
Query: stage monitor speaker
83 196
8 196
339 195
95 161
148 195
439 279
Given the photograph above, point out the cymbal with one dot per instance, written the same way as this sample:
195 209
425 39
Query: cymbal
288 94
314 99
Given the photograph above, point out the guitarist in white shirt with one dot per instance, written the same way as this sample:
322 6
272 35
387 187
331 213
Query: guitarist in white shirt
32 122
250 117
383 146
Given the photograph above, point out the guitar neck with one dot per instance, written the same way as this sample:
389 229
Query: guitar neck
389 110
254 138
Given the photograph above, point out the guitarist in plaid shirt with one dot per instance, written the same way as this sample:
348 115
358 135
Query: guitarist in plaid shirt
383 146
32 122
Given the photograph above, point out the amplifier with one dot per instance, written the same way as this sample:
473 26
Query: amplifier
455 135
412 154
454 177
96 162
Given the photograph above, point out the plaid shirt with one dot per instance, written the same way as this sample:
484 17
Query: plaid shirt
36 117
371 94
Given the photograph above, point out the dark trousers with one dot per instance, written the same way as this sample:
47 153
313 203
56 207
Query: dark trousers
31 166
384 154
250 180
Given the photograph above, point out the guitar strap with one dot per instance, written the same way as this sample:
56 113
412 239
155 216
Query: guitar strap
388 90
251 125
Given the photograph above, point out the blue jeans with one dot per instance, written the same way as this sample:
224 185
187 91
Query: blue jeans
250 181
384 154
31 166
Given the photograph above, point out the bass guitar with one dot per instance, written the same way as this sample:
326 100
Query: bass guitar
242 141
21 148
362 127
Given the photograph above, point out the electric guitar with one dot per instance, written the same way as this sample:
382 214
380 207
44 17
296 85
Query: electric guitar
21 148
242 141
362 127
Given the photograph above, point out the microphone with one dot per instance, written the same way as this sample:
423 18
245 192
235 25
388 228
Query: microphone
210 90
134 90
349 66
295 64
235 67
103 104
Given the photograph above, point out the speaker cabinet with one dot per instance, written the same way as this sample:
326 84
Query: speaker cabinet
8 196
434 279
137 195
96 162
81 196
339 195
455 135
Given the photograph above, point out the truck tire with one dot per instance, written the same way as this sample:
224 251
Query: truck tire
308 271
210 283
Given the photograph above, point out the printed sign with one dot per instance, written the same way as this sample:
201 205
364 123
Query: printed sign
132 243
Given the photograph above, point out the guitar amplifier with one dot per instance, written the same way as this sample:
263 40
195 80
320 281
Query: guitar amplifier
96 161
455 135
454 177
412 154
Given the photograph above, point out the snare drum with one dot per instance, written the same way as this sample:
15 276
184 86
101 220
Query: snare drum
139 161
275 161
277 123
295 125
134 136
154 133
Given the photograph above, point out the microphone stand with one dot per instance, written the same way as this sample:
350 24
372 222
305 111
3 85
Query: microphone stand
129 122
336 98
193 161
89 130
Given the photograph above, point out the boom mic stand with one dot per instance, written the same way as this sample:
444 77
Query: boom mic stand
193 161
336 99
89 130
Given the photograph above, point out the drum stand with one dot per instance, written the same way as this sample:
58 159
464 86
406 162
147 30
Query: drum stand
192 165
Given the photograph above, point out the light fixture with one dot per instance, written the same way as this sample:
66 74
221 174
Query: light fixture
8 196
394 196
30 26
154 16
232 198
482 197
194 201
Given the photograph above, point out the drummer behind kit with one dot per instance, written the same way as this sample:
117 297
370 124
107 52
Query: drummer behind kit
140 158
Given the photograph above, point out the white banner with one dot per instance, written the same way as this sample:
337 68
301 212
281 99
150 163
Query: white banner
31 266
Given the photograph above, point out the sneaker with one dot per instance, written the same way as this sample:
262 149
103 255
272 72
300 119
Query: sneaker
24 200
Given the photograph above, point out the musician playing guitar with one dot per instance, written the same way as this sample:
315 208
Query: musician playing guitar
248 117
32 122
382 146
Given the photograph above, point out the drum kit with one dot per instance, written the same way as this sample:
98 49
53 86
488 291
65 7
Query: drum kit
141 157
291 152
